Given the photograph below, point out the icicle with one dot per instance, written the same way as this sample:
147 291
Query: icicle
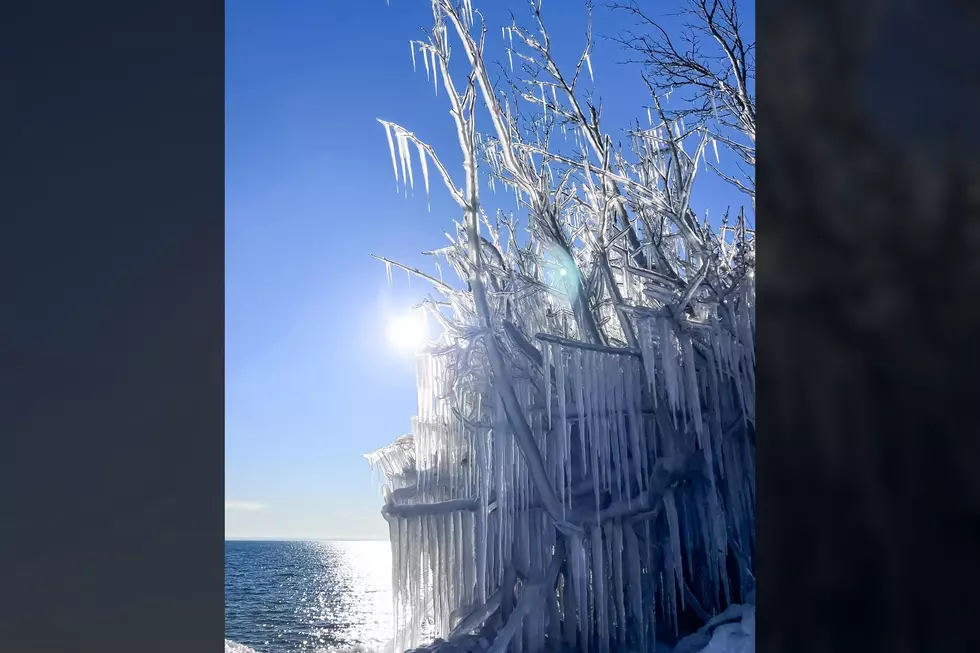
602 382
395 569
391 148
408 163
594 440
714 144
719 536
649 355
411 45
634 588
435 72
461 562
635 418
620 449
425 60
619 584
546 351
414 570
578 380
481 544
686 533
425 172
693 397
668 357
676 566
566 457
498 469
622 445
588 62
400 140
713 380
616 472
599 591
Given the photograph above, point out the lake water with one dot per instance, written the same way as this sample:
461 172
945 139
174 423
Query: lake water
319 597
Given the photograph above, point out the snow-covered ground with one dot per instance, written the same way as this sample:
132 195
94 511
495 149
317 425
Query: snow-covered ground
733 631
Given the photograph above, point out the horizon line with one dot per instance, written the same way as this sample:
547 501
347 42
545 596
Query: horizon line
305 539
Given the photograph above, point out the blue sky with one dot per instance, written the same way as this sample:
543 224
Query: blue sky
310 381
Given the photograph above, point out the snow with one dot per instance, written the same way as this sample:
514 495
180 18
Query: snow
733 631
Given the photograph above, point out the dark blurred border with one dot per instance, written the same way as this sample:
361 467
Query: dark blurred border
868 330
112 438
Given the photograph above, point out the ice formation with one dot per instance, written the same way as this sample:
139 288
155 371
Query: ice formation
467 525
580 469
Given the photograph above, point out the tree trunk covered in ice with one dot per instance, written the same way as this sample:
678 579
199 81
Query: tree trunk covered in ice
580 470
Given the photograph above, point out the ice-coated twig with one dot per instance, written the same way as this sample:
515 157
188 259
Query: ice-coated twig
445 287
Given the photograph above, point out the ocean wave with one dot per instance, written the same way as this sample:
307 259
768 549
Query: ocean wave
235 647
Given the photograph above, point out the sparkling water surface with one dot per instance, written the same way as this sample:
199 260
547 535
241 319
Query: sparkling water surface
291 597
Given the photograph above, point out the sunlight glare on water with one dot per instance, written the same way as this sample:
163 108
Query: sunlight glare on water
316 597
368 565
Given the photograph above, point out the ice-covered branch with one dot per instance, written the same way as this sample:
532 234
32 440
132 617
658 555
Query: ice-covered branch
667 472
577 344
534 593
476 615
403 135
441 285
438 508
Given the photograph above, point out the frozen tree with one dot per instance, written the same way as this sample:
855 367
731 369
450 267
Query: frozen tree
580 469
711 66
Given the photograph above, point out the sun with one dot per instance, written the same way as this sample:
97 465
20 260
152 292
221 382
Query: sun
408 332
